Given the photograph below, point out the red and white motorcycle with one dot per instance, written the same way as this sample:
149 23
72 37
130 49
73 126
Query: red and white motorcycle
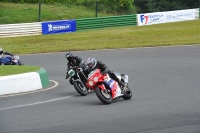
106 88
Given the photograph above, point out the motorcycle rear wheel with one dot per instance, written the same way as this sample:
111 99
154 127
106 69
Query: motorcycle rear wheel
81 90
103 95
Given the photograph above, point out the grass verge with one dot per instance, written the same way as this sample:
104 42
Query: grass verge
11 70
11 13
168 34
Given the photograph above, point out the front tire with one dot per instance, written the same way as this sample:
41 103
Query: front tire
80 88
103 95
128 94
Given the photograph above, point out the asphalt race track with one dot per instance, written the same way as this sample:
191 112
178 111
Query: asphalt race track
165 82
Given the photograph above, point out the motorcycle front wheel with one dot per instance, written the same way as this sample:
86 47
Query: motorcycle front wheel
103 95
128 94
80 88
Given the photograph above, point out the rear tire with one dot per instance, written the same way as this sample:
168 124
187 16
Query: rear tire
81 90
128 94
103 95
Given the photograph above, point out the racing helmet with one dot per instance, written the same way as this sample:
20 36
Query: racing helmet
91 62
1 51
69 56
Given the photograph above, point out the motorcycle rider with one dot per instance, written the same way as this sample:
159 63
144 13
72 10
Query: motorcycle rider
94 64
5 53
74 61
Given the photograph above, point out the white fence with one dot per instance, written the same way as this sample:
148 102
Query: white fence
22 29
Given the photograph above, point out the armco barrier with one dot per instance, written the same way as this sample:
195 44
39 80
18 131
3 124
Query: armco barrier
103 22
22 29
199 13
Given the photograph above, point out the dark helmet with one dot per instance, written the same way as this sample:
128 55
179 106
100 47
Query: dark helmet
1 50
91 62
69 56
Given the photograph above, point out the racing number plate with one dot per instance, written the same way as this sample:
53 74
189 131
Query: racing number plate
71 72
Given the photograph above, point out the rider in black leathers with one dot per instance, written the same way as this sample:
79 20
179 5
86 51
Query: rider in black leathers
74 61
5 53
94 64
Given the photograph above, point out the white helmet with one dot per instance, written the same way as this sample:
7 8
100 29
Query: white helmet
91 62
1 50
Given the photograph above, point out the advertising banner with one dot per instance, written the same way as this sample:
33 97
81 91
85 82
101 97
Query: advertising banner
165 17
55 27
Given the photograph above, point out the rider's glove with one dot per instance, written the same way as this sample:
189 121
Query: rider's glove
67 76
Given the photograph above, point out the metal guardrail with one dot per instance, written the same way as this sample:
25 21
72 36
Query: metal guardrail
104 22
22 29
197 13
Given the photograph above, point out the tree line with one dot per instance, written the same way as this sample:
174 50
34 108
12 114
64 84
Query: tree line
125 6
146 6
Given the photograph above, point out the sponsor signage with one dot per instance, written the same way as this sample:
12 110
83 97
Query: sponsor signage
165 17
55 27
145 19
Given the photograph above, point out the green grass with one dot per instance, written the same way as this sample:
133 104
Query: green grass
11 70
23 13
181 33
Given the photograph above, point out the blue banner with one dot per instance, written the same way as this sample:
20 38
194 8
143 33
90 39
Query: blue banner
55 27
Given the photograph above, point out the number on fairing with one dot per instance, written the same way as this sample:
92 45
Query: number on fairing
16 57
71 72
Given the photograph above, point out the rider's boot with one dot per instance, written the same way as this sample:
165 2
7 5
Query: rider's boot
122 86
71 81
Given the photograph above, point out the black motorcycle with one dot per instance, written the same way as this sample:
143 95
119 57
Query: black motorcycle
78 80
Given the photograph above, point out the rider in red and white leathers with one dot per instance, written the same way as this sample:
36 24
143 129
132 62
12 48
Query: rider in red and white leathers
94 64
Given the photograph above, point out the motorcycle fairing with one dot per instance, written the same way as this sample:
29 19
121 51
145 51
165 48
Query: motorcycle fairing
110 82
5 60
114 87
101 86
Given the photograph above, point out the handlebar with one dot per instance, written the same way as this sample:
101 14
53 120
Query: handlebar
76 68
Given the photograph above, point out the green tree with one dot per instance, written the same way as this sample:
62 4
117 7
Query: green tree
144 6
